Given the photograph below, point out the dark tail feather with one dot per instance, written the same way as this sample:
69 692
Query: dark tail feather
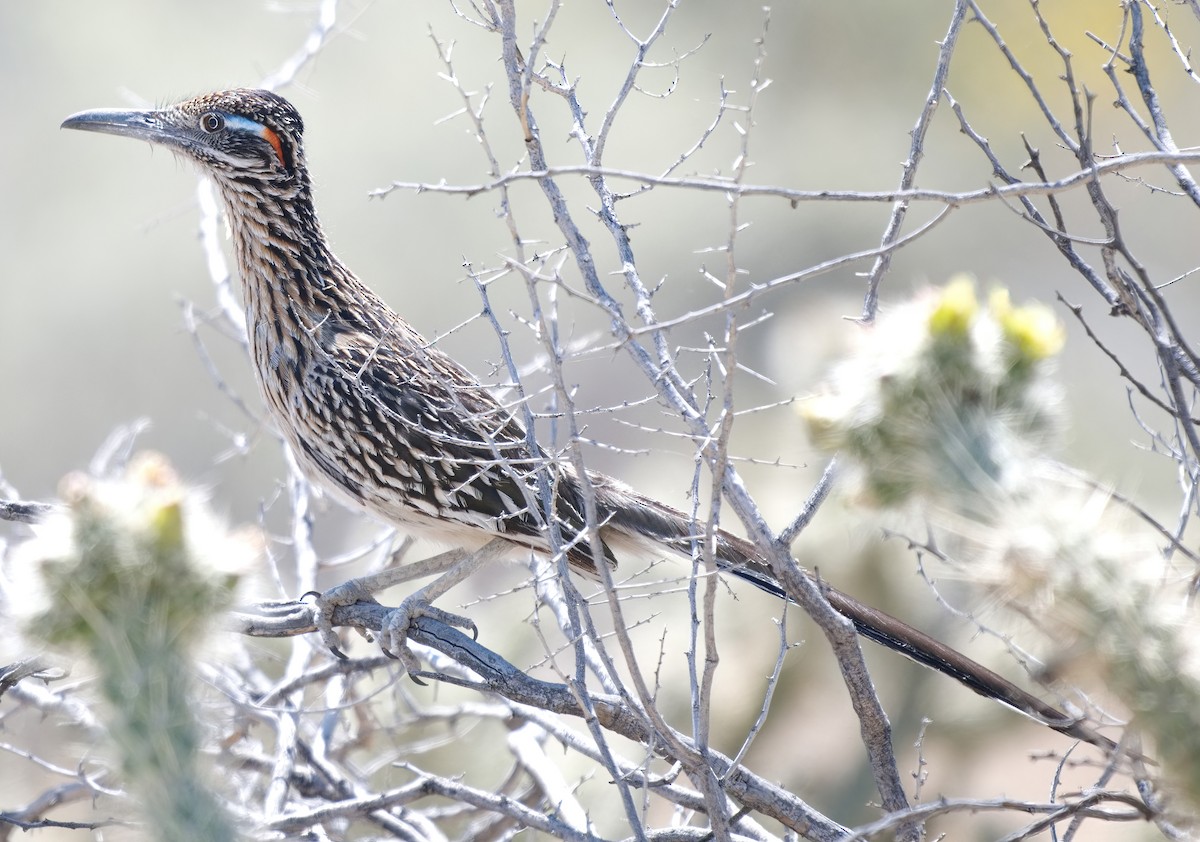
898 636
634 514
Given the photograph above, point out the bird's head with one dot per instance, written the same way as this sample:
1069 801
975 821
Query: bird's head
236 136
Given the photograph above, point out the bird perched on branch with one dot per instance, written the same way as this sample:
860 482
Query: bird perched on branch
401 430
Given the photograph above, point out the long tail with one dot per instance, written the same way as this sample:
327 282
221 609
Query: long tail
641 517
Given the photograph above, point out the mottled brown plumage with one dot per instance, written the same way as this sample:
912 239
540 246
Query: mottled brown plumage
400 429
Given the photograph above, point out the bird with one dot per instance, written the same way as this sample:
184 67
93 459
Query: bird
377 414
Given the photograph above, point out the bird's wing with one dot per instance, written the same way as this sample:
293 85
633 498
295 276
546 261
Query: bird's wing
462 453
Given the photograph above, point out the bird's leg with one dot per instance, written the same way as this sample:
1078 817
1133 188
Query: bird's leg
450 567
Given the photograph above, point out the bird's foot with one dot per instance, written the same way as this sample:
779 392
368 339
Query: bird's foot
449 567
324 604
393 637
363 589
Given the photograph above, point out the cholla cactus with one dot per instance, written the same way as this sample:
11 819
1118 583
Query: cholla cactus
945 400
949 409
1093 580
131 572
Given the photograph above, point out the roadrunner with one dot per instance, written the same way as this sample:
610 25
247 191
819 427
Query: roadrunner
400 429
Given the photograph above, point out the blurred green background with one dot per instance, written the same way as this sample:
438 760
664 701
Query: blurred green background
99 244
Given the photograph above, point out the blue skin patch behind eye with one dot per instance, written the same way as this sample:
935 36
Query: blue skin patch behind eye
235 121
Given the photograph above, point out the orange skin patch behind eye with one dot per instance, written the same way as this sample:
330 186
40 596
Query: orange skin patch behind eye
270 137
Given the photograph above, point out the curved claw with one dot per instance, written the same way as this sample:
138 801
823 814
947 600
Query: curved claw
322 613
394 635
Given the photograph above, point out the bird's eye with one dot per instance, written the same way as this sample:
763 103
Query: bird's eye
212 122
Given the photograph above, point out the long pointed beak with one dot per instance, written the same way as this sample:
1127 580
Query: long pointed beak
143 125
